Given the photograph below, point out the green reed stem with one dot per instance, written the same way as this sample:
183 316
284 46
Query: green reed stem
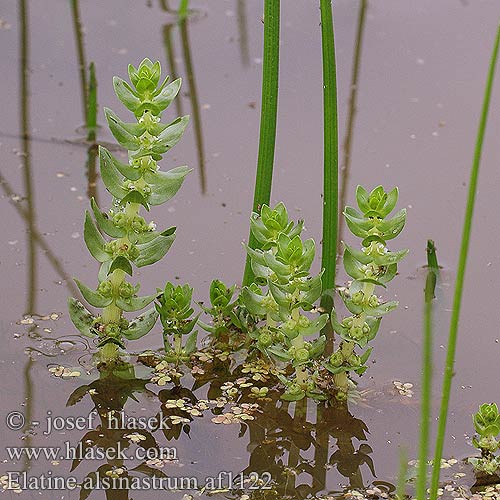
330 152
427 369
464 248
268 115
183 9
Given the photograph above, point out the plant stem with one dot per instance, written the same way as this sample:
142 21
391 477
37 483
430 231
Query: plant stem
183 9
330 152
464 248
425 412
268 115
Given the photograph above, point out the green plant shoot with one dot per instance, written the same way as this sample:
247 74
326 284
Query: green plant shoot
121 238
374 265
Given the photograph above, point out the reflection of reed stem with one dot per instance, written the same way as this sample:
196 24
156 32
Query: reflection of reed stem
172 63
241 14
353 98
37 237
425 411
27 180
80 51
195 105
91 122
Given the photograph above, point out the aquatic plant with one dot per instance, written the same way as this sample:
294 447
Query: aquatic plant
373 265
138 183
176 316
487 425
282 293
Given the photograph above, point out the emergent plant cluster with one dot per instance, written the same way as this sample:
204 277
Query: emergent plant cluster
275 320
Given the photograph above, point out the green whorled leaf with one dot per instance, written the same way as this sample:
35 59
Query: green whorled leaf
260 271
336 369
389 273
356 223
167 94
281 297
362 196
92 297
136 129
293 396
126 94
154 250
141 325
317 395
279 353
164 185
352 266
314 290
93 239
359 255
81 317
104 270
351 306
337 327
309 251
374 324
364 357
360 370
390 257
104 223
135 197
317 347
372 281
390 203
382 309
112 179
122 263
135 303
392 227
371 238
172 134
315 326
253 302
280 269
121 132
191 341
256 255
125 169
111 340
151 235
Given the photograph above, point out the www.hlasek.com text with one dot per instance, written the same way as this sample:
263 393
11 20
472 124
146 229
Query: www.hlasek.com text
119 451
